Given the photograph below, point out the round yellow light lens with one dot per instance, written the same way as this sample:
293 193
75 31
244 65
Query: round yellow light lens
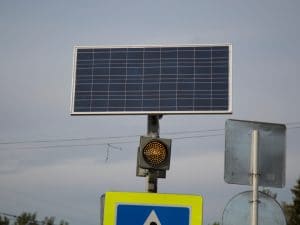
155 153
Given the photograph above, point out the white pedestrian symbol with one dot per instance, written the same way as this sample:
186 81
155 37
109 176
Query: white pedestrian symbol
152 219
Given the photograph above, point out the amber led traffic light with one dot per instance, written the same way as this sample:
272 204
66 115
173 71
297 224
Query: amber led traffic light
154 153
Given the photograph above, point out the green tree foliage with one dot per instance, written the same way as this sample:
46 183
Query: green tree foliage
49 220
215 223
62 222
292 211
287 210
26 219
295 215
4 220
30 219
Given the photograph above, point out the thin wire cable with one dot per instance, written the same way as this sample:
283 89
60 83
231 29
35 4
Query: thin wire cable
123 142
197 136
292 123
68 146
102 144
290 128
50 202
116 137
64 140
9 215
99 138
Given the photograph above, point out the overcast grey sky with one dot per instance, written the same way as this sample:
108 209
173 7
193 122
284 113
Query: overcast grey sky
36 44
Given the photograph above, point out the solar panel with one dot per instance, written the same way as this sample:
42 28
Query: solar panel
152 80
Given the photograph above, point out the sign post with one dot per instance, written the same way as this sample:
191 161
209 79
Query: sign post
254 156
255 177
152 131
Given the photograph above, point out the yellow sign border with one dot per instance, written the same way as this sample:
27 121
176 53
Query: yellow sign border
113 199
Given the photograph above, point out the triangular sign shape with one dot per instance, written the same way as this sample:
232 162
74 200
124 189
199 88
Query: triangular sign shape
152 219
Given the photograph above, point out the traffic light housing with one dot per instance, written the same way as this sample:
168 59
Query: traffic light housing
154 153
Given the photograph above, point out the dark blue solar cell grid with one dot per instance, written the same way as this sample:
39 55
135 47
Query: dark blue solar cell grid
152 79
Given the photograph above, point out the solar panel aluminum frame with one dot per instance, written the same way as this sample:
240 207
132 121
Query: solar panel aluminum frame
230 81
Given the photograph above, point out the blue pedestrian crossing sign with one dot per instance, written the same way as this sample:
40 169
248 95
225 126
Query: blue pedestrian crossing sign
152 215
127 208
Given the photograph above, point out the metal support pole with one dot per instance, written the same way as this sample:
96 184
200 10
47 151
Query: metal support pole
152 182
153 131
153 126
255 177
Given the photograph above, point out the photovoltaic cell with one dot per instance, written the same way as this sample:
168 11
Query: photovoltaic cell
149 79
